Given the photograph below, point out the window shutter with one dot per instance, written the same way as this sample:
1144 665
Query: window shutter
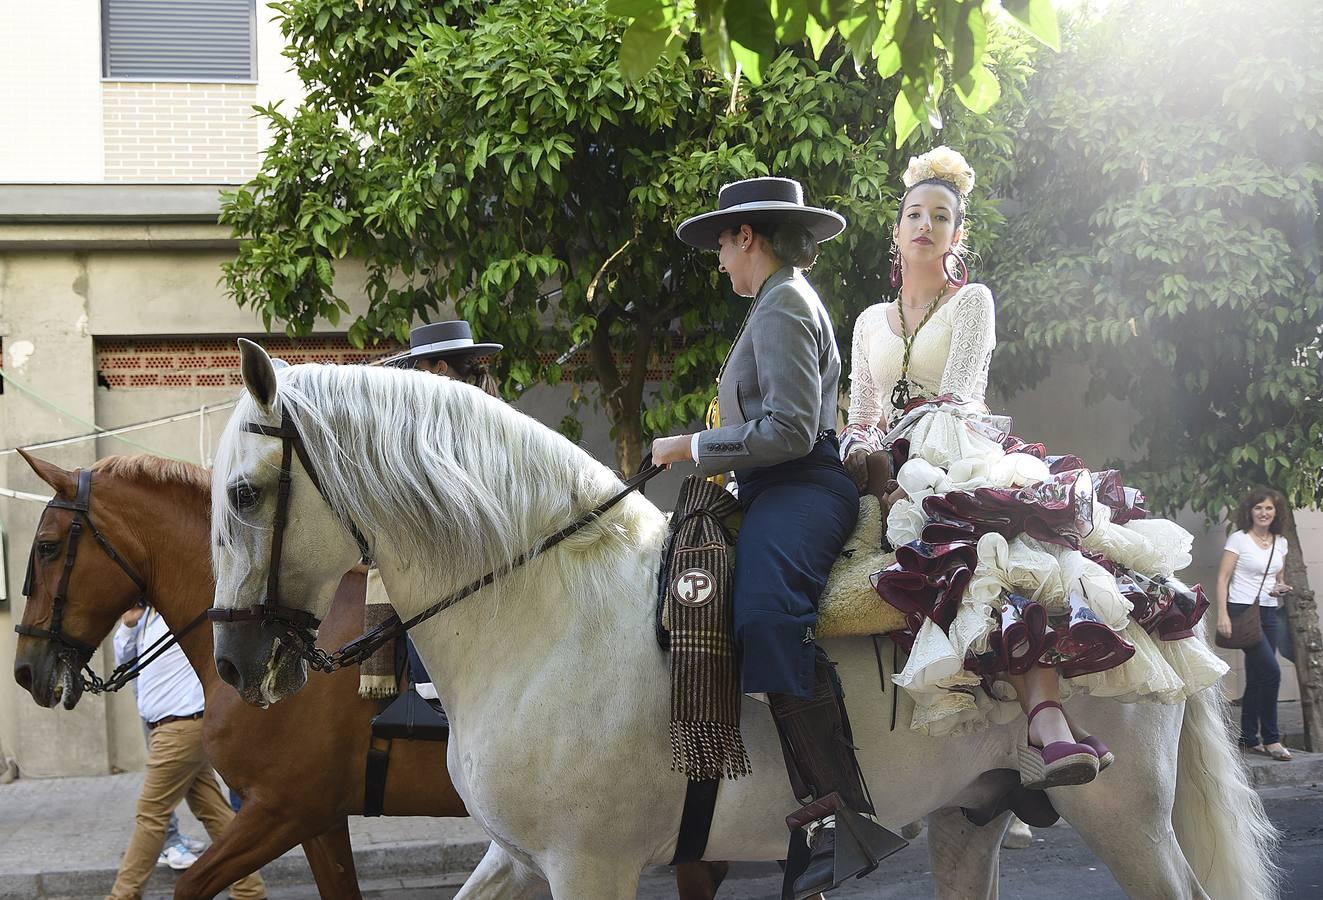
178 40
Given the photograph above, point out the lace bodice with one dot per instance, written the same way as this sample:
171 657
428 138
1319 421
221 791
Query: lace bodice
950 356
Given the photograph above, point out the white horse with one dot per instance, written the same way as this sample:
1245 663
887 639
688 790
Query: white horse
559 697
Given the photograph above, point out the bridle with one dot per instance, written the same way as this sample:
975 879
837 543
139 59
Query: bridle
270 611
298 627
80 652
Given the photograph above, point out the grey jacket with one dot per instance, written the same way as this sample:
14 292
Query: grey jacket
779 387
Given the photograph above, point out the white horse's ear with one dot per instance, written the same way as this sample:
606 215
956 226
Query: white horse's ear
259 373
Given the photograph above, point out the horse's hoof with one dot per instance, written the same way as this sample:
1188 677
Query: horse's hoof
1018 836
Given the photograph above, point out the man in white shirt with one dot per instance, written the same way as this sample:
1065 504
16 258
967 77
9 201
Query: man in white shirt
170 701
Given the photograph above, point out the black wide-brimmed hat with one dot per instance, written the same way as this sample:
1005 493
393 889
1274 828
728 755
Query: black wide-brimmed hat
442 339
759 201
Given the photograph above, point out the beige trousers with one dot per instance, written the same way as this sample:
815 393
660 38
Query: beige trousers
177 769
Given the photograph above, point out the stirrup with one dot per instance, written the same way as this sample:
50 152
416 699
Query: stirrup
860 844
413 718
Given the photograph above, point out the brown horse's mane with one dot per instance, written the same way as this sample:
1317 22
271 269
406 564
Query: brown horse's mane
145 467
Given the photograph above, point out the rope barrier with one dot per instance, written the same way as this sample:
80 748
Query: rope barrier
24 495
97 430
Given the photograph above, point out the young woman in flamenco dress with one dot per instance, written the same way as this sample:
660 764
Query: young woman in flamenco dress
1024 577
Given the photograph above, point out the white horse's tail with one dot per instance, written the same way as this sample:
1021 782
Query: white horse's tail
1219 819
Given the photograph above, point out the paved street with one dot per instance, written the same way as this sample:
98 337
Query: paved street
1058 865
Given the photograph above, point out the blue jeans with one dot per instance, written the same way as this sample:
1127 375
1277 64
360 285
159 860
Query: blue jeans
1263 677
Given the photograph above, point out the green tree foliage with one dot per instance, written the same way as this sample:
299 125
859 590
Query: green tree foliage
494 157
1170 170
927 43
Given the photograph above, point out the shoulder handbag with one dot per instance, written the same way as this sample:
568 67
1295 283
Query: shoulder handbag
1246 628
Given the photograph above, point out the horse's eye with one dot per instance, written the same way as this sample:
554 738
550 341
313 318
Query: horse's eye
243 496
48 549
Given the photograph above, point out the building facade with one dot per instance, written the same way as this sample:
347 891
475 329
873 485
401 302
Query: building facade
122 126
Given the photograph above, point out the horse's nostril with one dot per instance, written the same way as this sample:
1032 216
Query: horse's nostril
23 675
228 671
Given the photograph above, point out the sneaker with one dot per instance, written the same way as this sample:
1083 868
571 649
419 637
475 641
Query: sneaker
178 858
193 845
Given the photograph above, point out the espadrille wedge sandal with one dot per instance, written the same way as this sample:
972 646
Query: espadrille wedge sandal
1059 763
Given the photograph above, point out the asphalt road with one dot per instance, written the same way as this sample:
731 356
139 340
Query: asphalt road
1057 865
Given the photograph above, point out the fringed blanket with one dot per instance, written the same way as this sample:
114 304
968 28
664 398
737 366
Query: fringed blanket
697 576
376 675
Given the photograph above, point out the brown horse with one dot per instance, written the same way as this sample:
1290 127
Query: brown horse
298 765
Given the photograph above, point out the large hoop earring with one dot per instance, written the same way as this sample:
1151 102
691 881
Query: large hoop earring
963 278
895 267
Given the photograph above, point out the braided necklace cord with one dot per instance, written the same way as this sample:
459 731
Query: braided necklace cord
900 394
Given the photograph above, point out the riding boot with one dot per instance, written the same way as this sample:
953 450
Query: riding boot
843 839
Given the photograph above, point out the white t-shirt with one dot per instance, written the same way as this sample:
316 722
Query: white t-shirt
1251 560
168 686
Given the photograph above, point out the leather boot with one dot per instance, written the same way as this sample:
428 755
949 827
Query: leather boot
816 738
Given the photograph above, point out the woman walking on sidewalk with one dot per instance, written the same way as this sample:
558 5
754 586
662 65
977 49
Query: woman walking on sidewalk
1251 575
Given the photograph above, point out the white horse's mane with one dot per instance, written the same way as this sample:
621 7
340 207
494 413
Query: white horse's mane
439 470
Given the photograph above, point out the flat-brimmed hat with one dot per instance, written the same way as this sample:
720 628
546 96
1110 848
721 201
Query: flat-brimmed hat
759 201
441 339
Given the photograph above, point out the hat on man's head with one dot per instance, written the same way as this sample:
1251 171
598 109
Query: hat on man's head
442 339
759 201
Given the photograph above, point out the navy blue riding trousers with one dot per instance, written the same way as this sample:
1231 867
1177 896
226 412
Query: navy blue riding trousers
797 517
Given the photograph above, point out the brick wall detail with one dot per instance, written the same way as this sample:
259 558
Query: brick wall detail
179 132
187 363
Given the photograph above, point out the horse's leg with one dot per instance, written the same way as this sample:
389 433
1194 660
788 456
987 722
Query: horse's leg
578 875
252 839
331 858
964 856
700 880
501 877
1125 815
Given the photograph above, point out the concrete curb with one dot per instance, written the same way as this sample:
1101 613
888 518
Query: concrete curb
426 861
1302 771
422 859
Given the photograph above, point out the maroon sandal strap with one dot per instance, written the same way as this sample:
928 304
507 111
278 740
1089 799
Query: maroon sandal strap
1046 704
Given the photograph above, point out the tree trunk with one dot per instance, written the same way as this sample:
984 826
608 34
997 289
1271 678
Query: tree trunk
1302 615
629 443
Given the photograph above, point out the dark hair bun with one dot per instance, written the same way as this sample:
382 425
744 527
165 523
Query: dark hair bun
794 245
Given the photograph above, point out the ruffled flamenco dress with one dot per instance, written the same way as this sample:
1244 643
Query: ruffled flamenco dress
1007 556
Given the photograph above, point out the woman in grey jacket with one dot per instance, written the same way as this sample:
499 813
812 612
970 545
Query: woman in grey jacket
777 399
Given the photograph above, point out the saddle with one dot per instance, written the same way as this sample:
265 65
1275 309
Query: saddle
850 607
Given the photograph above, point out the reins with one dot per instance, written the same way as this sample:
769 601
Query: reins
127 671
297 626
79 651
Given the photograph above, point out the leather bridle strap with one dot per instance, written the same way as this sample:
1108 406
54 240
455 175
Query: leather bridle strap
82 519
81 507
131 669
270 611
290 437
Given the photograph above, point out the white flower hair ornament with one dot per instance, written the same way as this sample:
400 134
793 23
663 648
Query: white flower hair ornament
942 163
951 168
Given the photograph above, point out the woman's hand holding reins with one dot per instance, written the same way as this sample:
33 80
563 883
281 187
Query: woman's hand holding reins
667 450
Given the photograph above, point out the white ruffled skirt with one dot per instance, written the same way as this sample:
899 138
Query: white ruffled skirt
953 669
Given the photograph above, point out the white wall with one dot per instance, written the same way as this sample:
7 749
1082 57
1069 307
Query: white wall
51 116
50 90
275 77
